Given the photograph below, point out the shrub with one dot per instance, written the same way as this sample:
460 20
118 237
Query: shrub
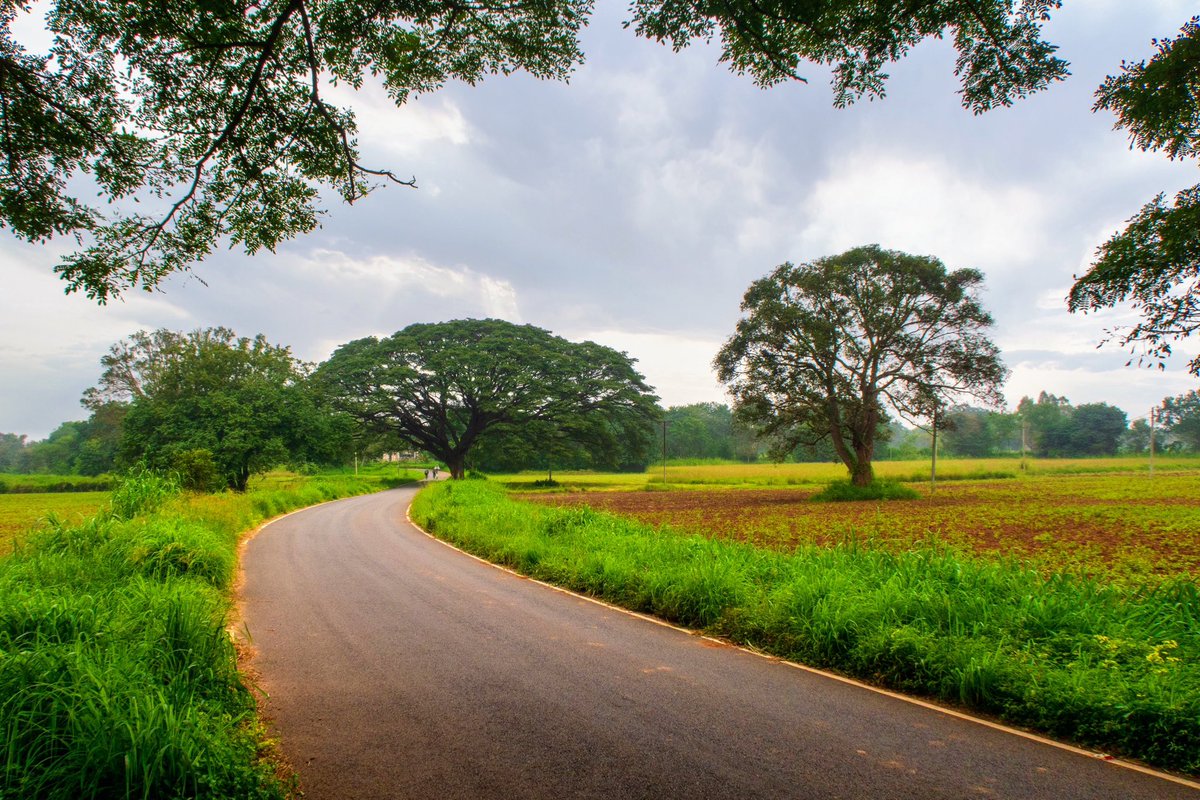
196 470
845 491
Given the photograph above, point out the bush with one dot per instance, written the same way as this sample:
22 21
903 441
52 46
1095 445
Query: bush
845 491
196 470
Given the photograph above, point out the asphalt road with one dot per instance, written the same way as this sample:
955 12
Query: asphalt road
398 667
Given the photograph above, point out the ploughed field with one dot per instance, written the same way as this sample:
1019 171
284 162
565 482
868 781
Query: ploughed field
1121 525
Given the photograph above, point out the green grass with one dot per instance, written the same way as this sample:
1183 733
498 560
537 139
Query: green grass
117 675
11 483
21 513
700 473
1109 666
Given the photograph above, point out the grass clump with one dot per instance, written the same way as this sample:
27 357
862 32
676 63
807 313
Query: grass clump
117 675
845 491
1110 666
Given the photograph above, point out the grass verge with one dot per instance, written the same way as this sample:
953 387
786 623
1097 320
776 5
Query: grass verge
117 675
1112 667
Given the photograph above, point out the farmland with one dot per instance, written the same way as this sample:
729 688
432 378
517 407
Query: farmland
19 513
1122 525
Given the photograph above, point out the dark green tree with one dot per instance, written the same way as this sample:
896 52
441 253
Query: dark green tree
442 387
1096 429
197 122
824 349
1181 417
242 400
12 452
1154 263
969 432
1048 424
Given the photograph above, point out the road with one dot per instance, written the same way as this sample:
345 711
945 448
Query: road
398 667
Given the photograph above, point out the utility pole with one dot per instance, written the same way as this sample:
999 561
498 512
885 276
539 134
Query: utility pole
664 422
933 453
1151 442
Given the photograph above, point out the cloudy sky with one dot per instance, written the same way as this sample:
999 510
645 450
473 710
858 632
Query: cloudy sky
634 205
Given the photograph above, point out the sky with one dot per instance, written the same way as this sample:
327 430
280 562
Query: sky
635 204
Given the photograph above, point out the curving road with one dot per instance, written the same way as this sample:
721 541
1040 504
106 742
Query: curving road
398 667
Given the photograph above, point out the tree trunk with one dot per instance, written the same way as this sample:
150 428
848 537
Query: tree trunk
861 474
457 466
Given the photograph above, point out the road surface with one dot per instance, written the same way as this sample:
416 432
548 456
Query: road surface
398 667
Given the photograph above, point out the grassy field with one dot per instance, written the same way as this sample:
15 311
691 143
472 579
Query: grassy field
15 483
118 677
1129 527
813 475
996 595
21 513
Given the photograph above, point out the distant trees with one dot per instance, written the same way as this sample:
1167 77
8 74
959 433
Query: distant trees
212 403
446 388
824 348
708 430
1054 428
1181 417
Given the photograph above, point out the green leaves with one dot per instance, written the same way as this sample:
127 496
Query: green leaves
824 348
1154 264
1002 56
201 124
440 387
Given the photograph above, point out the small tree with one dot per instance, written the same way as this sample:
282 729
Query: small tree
1181 416
441 387
824 348
242 400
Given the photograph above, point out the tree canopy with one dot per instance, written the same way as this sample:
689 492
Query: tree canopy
824 348
1154 263
212 402
442 387
197 123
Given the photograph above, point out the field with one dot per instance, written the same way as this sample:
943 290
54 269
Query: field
736 475
1111 664
20 513
1122 525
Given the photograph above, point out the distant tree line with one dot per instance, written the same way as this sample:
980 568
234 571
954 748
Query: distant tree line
215 408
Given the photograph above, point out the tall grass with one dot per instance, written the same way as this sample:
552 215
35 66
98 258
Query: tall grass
1111 667
117 675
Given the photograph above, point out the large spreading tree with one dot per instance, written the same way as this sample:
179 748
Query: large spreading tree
153 131
442 387
1154 263
824 349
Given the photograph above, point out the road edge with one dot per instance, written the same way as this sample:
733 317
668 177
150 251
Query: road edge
950 712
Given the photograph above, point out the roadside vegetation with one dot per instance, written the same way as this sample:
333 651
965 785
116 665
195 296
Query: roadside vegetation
117 675
1110 664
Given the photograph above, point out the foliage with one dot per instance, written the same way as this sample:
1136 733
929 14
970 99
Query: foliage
245 401
198 123
1155 262
140 491
1057 429
705 430
1001 53
847 492
117 675
1106 665
442 387
1116 527
1181 416
824 348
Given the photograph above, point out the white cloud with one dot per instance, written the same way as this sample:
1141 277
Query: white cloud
917 203
386 278
679 367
